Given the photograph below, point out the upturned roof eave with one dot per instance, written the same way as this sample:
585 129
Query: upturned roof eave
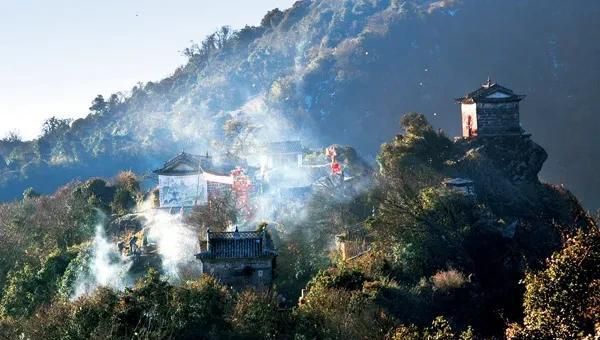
178 173
481 94
471 100
211 257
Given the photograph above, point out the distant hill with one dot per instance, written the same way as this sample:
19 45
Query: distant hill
344 72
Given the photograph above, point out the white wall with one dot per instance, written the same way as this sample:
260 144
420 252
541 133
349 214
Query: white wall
468 110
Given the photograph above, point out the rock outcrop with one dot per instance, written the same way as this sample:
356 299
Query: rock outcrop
505 173
126 223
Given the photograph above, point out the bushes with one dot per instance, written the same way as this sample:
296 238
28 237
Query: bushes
154 309
88 317
200 307
440 329
218 214
340 304
562 301
118 198
38 234
127 193
448 280
255 315
96 192
28 289
336 307
18 298
341 314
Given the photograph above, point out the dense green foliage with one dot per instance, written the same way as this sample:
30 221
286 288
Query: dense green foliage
441 263
563 300
41 235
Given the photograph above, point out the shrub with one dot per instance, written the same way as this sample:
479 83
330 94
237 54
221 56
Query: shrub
255 315
336 307
200 308
562 301
440 329
28 288
444 281
30 193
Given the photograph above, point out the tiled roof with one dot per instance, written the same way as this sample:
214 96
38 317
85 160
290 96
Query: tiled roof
458 181
283 147
482 94
196 162
237 244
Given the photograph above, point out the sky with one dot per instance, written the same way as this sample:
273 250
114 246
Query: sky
57 55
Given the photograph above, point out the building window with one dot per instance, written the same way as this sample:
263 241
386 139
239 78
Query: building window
260 273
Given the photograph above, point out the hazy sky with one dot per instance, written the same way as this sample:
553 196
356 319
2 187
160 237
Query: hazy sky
56 56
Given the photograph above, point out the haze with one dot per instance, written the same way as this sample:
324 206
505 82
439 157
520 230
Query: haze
56 56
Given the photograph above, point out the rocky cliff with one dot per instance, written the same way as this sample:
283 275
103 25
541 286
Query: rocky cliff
505 172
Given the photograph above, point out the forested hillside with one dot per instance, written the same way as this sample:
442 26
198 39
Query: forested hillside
341 71
514 257
396 231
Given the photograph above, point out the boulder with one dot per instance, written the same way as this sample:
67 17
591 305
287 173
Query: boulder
126 223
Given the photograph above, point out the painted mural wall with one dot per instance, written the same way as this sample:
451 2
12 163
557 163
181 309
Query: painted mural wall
182 191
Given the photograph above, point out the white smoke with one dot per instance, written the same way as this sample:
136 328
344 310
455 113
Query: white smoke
176 244
107 267
167 238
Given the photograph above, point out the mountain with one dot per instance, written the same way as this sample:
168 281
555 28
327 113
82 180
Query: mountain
343 72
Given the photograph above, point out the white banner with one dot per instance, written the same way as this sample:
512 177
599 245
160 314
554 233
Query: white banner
182 191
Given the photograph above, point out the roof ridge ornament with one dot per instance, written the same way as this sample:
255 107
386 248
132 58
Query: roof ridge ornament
488 83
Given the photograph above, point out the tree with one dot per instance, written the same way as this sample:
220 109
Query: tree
563 300
337 306
127 180
51 129
127 192
272 18
222 36
30 193
240 135
440 329
143 310
255 315
115 102
96 192
12 137
28 288
217 214
53 126
99 105
200 308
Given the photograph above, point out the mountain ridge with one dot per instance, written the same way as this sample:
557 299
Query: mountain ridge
340 71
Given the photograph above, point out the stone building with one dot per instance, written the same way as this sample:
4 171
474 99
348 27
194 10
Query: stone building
239 259
491 110
282 154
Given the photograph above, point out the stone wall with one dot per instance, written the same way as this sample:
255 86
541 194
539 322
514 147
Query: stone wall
498 119
241 273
